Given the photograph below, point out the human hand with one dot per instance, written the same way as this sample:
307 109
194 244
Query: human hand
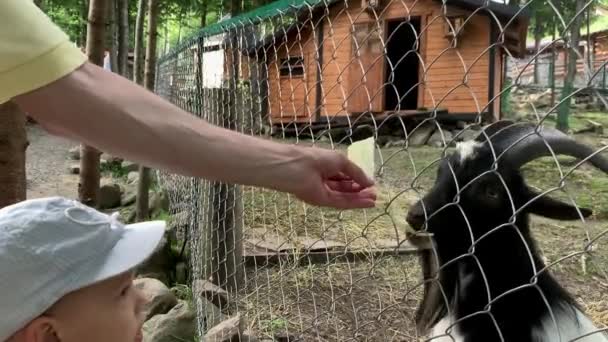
328 178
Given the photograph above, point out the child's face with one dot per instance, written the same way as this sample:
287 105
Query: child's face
108 311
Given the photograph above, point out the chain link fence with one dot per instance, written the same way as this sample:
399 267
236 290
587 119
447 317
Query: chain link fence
423 78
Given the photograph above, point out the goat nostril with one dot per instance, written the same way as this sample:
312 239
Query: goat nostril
415 220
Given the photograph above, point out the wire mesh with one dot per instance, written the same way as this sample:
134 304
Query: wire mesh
424 78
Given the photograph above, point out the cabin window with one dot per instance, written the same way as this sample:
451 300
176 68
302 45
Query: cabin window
453 26
292 66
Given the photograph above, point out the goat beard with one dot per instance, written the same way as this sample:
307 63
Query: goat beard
431 306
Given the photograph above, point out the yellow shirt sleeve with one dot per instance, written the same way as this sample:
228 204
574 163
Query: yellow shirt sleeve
33 50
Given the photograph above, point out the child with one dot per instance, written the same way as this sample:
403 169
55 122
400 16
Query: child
66 273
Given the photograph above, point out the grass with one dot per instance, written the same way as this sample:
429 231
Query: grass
115 170
378 297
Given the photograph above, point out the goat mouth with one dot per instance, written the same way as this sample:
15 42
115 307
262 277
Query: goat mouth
419 239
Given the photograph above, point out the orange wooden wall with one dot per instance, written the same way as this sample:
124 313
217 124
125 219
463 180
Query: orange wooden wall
442 72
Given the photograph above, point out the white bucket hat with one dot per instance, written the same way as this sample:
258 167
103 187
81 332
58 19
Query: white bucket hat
50 247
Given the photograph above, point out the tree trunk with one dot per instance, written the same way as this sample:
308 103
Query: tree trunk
88 187
563 111
538 36
138 75
84 12
113 34
13 143
166 34
204 9
143 186
123 37
235 7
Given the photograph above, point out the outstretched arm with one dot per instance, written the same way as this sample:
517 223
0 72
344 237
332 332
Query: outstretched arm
113 114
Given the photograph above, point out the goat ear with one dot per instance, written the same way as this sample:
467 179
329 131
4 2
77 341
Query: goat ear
555 209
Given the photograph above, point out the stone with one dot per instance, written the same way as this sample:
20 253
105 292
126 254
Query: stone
420 135
133 177
132 216
158 201
129 166
159 265
388 141
74 153
74 169
110 196
213 314
160 299
111 159
362 132
284 337
248 336
396 143
436 139
225 331
211 292
129 198
541 100
179 324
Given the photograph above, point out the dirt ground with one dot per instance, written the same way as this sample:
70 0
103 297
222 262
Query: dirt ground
47 165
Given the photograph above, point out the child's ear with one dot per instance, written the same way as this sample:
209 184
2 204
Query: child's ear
41 329
555 209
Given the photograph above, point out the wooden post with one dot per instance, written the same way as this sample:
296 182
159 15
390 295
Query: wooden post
13 144
225 217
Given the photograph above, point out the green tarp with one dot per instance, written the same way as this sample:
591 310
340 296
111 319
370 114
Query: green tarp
267 11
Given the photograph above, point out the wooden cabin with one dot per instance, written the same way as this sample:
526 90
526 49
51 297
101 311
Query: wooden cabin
549 60
380 57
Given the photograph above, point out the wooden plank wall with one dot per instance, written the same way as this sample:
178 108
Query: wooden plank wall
443 70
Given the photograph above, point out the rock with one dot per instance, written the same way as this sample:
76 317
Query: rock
133 177
111 159
179 324
128 199
160 264
74 153
159 201
248 336
362 132
74 169
389 141
541 100
109 196
226 331
436 139
211 292
213 314
284 337
129 166
132 216
396 143
421 134
159 297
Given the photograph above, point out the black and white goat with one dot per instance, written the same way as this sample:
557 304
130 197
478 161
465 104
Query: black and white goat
491 283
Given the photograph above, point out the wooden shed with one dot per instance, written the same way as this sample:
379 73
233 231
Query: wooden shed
337 60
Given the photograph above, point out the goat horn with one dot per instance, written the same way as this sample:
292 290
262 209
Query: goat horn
524 142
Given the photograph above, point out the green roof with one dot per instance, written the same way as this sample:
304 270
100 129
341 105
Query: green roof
261 13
